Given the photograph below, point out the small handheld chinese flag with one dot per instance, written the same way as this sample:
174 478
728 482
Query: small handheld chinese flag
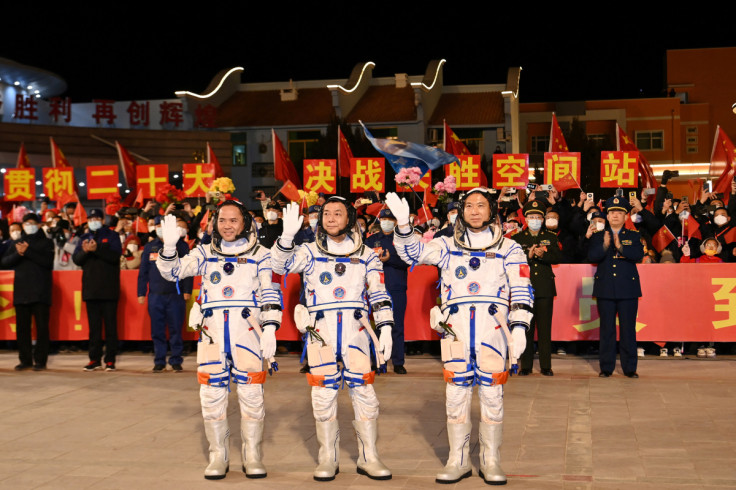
290 191
80 215
662 238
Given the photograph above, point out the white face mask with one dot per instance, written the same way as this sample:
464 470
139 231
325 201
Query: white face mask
272 216
313 222
551 223
720 220
599 225
636 218
182 231
132 247
453 217
387 225
15 235
534 224
159 232
94 225
684 215
30 229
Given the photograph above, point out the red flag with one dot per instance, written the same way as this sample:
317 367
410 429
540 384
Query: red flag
454 146
566 182
23 161
141 225
212 159
290 191
730 236
721 159
344 154
662 238
128 165
628 224
429 197
693 228
58 160
374 209
80 215
283 168
624 143
556 138
138 203
205 221
424 214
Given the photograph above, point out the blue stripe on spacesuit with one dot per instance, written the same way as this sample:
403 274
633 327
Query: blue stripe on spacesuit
339 336
226 314
472 334
249 350
231 259
493 348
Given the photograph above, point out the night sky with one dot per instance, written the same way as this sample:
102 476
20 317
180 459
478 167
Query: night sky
136 53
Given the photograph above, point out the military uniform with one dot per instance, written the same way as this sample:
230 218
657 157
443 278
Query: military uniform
617 290
543 282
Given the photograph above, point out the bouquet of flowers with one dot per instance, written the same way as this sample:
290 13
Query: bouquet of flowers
112 204
310 197
221 189
168 194
408 177
445 189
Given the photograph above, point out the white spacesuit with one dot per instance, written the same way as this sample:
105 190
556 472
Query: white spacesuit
482 274
239 314
338 271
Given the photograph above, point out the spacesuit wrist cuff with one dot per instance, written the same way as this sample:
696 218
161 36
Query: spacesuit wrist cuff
286 246
407 234
168 253
523 325
276 325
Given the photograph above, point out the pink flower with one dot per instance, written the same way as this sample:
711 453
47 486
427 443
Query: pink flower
409 176
450 184
427 236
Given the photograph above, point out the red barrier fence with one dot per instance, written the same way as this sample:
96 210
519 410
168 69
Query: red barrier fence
682 302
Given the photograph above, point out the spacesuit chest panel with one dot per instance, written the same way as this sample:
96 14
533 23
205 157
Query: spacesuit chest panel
475 276
335 282
231 281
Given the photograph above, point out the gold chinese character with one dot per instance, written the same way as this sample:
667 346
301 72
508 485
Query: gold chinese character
19 185
511 168
321 182
367 175
199 181
726 292
58 182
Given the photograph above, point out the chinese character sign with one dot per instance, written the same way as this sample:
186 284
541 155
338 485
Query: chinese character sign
619 168
58 182
558 164
20 184
467 174
102 181
150 178
510 170
320 176
198 178
367 174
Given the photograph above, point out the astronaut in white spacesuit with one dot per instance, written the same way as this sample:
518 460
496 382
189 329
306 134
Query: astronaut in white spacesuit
338 271
239 315
484 287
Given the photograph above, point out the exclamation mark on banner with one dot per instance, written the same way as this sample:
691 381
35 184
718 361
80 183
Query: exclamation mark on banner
78 310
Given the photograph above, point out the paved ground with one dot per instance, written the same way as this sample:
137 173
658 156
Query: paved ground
672 428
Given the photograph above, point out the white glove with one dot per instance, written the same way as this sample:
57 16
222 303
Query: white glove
385 343
292 224
301 318
519 337
195 316
399 207
435 317
268 341
171 234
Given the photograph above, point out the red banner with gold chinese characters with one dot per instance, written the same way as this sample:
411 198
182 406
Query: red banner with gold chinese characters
619 169
19 184
558 165
102 181
150 178
320 176
367 174
467 174
198 178
510 170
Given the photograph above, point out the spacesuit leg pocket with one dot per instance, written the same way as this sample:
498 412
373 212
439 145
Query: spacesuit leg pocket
211 370
322 366
456 369
358 370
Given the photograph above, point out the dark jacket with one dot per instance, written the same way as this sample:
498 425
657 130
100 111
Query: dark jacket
149 278
540 268
33 270
268 234
616 276
101 268
395 270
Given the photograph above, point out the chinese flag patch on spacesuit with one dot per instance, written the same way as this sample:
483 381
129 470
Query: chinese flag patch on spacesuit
523 270
382 279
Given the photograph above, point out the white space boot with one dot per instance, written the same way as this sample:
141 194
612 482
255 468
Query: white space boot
491 436
368 462
328 436
218 435
252 433
458 462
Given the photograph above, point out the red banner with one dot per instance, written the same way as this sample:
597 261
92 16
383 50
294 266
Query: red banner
706 314
102 181
557 165
619 169
467 174
510 170
198 178
367 174
19 184
150 178
320 176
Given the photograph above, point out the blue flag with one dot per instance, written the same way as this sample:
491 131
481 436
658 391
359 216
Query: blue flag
405 154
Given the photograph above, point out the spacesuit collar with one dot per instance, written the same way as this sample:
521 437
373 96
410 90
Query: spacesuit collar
470 240
352 237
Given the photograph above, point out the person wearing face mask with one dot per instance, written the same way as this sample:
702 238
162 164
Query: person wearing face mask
542 251
710 248
32 258
64 245
684 225
131 258
307 233
721 227
272 228
98 254
395 273
166 306
449 227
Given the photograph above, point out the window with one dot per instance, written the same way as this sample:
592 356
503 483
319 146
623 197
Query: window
540 144
239 155
473 139
650 140
390 133
302 145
